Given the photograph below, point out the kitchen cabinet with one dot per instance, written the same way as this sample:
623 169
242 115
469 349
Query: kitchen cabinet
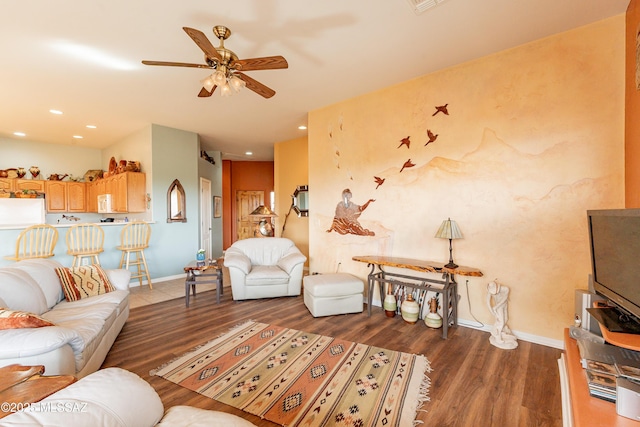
6 184
65 196
29 184
94 189
128 191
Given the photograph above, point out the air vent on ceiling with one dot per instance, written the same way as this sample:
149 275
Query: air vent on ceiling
420 6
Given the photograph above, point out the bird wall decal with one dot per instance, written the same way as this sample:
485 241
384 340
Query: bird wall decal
407 164
405 141
441 109
432 137
379 181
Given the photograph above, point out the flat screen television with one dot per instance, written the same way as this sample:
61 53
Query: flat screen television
614 237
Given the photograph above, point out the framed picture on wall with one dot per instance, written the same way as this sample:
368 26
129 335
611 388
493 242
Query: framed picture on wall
217 206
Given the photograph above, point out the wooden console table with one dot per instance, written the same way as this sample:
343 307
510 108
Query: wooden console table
447 286
20 386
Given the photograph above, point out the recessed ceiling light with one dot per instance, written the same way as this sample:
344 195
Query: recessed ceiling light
20 134
302 127
78 136
55 112
249 153
91 126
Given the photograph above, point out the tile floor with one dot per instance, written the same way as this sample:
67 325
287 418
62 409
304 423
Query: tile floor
163 291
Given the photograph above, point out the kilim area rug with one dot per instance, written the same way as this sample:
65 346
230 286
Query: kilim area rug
295 378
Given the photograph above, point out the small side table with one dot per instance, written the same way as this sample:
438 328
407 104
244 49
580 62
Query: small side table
22 385
203 272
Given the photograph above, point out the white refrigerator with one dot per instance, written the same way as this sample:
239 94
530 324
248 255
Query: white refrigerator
21 212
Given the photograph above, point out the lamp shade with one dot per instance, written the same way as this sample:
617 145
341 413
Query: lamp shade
449 230
262 211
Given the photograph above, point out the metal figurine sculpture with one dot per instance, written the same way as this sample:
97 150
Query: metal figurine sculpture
345 220
501 335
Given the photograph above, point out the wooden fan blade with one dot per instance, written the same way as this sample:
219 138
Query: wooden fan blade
205 93
256 86
203 43
264 63
176 64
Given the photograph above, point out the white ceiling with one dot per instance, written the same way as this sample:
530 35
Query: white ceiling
336 49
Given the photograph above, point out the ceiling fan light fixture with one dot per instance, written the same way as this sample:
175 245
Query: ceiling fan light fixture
236 83
208 83
225 90
220 76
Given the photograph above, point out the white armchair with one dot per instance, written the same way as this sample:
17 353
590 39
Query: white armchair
264 268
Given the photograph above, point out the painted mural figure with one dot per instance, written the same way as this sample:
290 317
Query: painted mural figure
345 220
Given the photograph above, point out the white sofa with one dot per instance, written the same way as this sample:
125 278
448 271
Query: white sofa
114 397
264 268
83 330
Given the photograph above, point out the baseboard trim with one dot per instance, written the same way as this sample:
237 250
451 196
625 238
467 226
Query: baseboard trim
535 339
136 283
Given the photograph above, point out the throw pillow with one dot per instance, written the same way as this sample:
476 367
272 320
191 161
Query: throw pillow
83 282
14 319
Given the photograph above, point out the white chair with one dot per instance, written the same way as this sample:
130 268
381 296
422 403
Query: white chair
84 241
37 241
134 239
264 268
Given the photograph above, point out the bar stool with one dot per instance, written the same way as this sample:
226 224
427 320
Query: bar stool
84 241
134 239
37 241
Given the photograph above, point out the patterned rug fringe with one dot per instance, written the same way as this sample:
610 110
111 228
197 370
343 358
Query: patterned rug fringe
153 372
423 396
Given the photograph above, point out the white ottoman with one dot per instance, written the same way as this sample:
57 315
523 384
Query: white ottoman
336 293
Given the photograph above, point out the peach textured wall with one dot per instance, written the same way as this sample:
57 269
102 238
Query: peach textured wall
632 125
291 170
534 138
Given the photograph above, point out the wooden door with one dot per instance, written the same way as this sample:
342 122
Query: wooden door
246 202
205 216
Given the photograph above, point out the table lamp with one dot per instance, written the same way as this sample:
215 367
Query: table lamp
263 215
449 230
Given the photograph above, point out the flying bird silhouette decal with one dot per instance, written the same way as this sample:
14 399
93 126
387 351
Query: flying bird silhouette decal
407 164
441 109
405 141
379 181
432 137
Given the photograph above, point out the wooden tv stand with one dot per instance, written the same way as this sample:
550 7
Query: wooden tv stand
588 411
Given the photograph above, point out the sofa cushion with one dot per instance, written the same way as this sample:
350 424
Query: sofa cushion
118 298
89 321
35 341
111 397
264 251
188 416
83 282
20 292
43 273
266 275
12 319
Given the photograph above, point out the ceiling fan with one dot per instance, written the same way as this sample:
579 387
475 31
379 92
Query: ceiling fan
229 69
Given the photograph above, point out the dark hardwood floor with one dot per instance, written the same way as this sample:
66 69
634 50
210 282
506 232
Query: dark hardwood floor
472 382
